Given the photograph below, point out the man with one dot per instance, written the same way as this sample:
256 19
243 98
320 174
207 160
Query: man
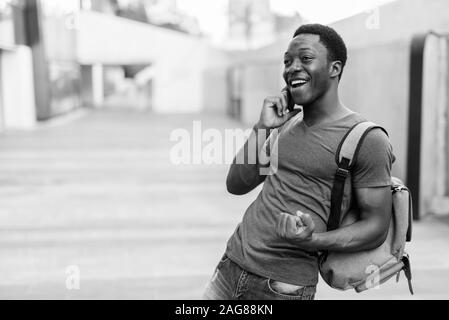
273 253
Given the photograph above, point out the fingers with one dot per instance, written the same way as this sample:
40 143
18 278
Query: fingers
299 227
307 221
284 101
289 226
281 224
299 214
278 104
292 226
281 106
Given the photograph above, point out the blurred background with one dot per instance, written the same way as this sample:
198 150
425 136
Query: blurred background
91 207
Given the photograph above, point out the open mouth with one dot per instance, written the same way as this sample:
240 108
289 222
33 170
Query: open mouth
296 83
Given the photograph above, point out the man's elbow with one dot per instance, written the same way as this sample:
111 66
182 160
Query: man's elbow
234 188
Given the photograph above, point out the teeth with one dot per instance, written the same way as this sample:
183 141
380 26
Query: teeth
295 82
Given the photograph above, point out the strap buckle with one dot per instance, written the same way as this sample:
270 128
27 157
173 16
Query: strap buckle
342 173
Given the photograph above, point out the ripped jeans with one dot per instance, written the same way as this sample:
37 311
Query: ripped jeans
231 282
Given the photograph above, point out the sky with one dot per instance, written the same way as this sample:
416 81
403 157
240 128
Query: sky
211 14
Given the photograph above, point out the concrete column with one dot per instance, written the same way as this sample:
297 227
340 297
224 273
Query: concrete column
87 99
447 119
434 122
98 84
19 108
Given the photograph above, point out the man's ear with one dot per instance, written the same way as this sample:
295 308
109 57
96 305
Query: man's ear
335 69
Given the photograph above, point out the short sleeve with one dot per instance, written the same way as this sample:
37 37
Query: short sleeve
374 161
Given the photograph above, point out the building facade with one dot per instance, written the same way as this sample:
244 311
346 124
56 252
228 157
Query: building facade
17 103
58 56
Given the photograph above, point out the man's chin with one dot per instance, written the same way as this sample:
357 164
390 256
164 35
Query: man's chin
302 102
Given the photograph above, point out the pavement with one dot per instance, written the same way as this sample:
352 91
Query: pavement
93 208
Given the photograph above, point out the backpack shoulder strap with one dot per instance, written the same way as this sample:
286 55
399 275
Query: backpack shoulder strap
345 158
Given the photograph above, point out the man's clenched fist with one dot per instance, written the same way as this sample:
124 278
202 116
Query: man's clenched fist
297 228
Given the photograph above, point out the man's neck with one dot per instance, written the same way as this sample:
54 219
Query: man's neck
326 108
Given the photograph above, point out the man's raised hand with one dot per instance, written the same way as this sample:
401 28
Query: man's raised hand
275 113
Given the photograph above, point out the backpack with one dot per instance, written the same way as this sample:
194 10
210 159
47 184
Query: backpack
366 269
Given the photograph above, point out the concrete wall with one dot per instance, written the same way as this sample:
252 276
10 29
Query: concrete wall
215 90
375 83
394 22
180 62
259 80
18 105
7 33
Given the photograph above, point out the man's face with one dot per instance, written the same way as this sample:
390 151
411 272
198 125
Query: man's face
306 69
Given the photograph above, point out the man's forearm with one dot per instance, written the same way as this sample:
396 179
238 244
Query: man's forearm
360 236
244 173
369 232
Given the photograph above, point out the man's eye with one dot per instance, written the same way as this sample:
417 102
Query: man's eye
286 62
306 59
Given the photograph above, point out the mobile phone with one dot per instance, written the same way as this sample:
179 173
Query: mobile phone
290 102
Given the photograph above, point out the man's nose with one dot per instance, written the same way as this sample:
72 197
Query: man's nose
295 66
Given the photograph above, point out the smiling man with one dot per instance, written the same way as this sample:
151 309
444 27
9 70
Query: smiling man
273 253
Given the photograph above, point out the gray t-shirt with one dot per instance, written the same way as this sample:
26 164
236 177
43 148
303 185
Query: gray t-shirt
303 181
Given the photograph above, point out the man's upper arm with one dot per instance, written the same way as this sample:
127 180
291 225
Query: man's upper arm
372 180
372 167
375 206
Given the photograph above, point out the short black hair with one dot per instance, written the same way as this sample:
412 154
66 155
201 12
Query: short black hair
333 42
